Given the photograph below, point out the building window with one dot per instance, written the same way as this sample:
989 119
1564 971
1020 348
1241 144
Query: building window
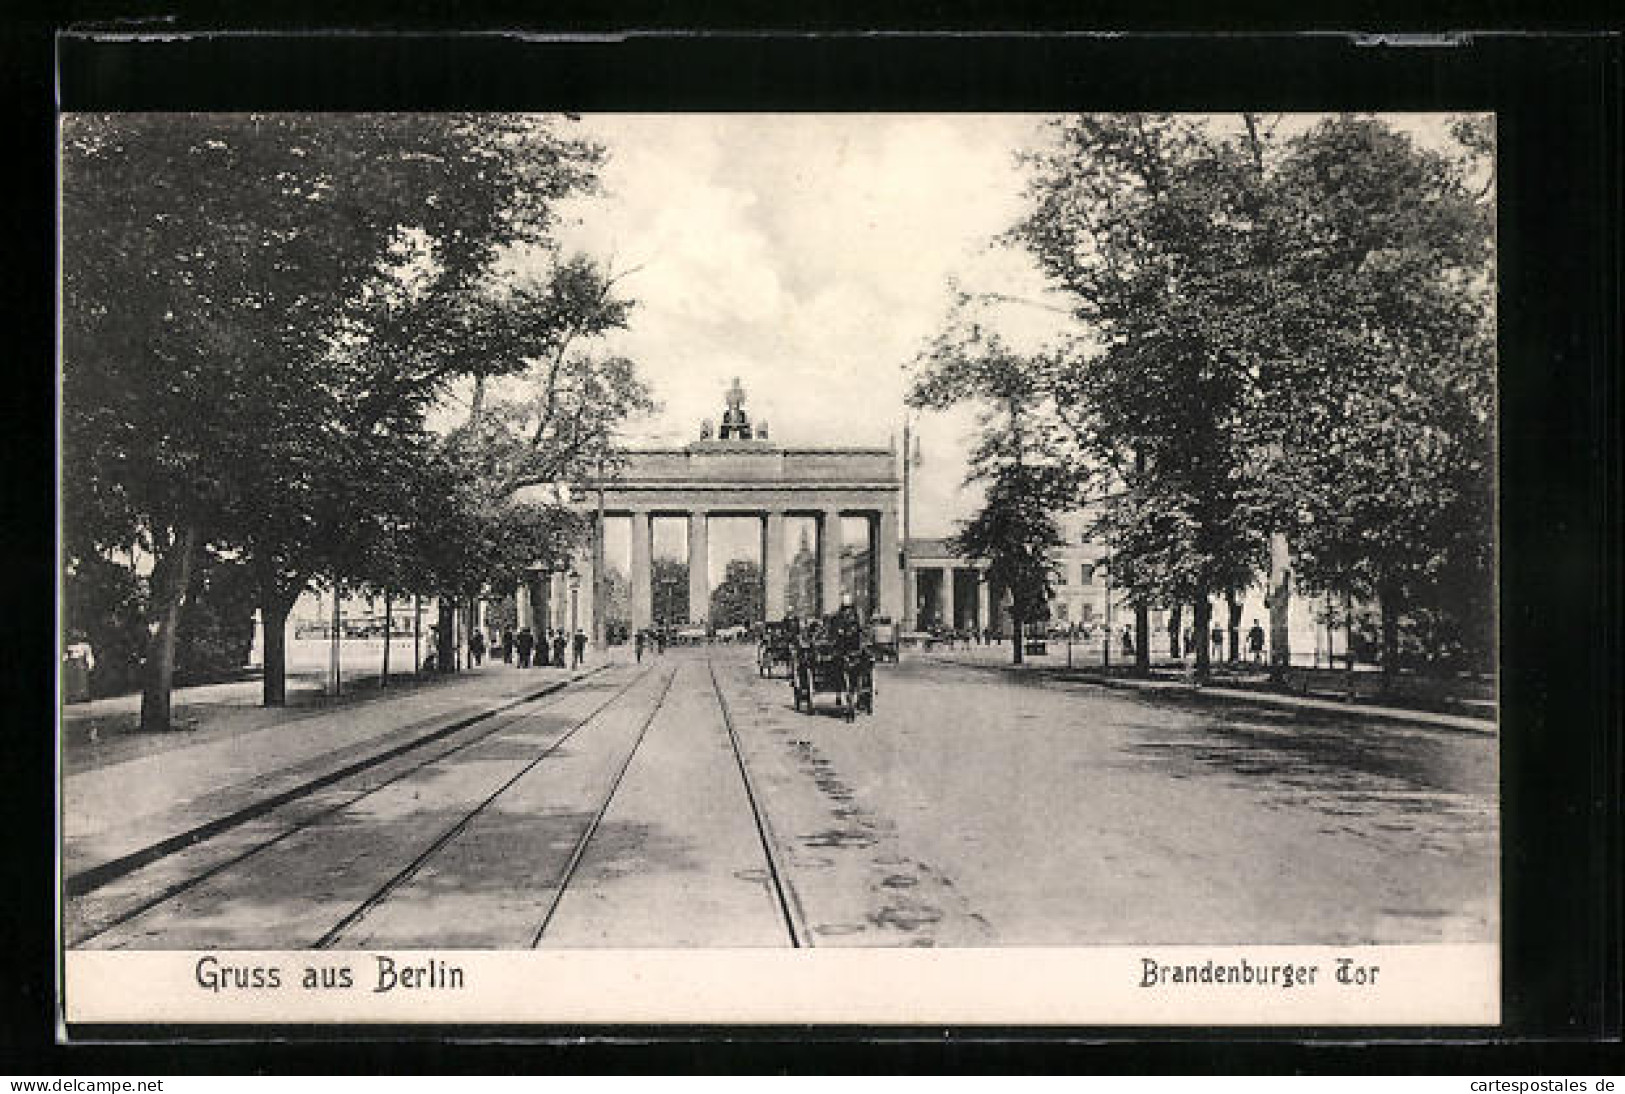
1060 573
1086 574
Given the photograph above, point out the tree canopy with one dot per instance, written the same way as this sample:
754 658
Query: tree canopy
259 313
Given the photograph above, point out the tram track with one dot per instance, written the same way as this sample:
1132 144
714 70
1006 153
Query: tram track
795 921
783 894
331 939
387 905
563 884
199 837
580 850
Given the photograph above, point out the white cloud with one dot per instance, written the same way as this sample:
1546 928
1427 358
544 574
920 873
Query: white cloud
809 255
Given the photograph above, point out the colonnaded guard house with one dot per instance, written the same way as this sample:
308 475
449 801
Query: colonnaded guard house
732 529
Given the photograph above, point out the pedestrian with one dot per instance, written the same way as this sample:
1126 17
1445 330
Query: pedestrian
525 643
559 644
637 644
1255 643
1218 642
476 648
507 645
1128 642
580 644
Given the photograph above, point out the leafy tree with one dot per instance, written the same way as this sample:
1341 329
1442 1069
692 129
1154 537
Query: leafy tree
1284 337
104 603
219 271
1149 223
216 628
1388 456
738 598
1020 455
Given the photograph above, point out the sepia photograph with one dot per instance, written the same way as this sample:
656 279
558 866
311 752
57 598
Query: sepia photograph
954 567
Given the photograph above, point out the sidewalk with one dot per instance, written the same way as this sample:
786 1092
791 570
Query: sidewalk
1173 680
127 790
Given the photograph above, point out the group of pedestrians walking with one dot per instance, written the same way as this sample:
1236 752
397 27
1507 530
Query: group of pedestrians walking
547 649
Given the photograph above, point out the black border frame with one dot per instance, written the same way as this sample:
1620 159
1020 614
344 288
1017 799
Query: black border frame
1558 99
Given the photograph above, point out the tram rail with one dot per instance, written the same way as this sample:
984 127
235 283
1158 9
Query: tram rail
411 869
785 902
795 922
501 717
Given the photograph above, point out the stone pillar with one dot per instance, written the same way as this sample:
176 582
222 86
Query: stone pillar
888 568
699 577
945 603
773 565
829 559
521 605
642 573
911 599
982 619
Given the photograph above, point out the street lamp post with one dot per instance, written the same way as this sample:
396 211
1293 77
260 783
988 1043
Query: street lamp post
598 627
1106 647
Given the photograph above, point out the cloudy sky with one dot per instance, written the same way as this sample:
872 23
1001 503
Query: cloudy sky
810 256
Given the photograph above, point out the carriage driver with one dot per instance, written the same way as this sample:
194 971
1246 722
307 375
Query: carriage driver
848 630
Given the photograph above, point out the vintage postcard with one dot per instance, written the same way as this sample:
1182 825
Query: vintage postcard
892 569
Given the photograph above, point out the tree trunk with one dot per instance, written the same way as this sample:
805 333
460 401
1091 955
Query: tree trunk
158 675
1234 607
274 609
1142 640
445 638
1020 638
1204 623
1348 639
1175 617
1388 598
389 619
1280 607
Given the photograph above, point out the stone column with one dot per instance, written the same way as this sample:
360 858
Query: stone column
946 601
829 559
699 577
982 619
889 571
521 605
642 573
773 565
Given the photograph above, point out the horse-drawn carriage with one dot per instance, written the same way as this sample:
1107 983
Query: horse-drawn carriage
777 647
834 659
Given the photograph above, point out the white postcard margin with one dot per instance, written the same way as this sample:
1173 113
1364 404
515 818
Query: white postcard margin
1410 985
